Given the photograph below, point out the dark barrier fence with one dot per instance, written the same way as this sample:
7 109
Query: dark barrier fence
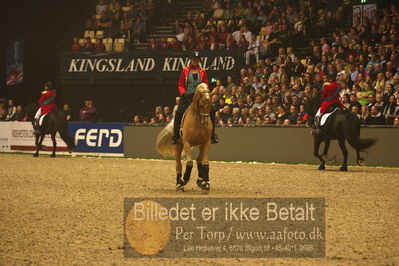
270 144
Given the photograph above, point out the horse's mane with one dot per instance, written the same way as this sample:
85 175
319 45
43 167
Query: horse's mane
197 96
31 110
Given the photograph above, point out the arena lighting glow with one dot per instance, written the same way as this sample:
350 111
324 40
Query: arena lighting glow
363 1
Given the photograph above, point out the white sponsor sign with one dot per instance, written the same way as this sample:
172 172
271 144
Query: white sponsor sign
22 136
4 136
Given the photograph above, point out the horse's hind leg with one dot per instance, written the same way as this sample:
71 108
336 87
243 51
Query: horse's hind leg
54 144
359 160
178 149
317 143
189 163
38 144
203 169
344 166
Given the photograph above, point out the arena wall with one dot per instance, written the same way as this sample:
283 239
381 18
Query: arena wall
270 144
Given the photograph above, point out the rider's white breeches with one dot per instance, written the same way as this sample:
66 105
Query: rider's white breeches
319 114
38 114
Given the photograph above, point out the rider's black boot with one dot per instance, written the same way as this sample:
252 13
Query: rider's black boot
176 128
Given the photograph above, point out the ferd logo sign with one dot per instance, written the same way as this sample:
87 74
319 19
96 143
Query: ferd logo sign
97 137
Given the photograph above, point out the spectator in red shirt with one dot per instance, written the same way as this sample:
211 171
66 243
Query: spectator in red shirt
164 45
152 45
190 44
175 45
99 46
243 44
202 44
213 44
222 37
75 45
88 46
230 43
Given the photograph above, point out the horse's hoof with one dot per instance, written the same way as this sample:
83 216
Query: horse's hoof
343 168
199 182
52 155
184 182
205 187
361 162
180 188
322 167
35 155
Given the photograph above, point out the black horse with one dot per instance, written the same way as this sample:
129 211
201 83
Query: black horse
52 123
341 125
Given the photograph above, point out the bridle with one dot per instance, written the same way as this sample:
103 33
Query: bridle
202 104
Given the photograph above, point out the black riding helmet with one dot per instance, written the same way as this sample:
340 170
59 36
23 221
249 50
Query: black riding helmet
49 85
194 55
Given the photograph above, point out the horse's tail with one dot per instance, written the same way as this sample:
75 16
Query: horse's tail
352 135
70 142
164 141
62 128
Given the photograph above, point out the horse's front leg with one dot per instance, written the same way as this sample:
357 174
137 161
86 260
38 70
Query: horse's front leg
178 149
344 166
317 142
38 144
203 168
326 148
189 163
54 144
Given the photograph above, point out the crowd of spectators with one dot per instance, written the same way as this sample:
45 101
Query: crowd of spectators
275 83
257 27
127 19
11 112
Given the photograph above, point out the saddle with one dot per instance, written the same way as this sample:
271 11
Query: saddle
41 119
184 116
332 109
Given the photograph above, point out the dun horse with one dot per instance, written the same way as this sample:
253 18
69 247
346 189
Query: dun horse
195 131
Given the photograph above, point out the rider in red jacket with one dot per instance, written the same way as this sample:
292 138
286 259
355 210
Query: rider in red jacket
189 79
47 104
329 96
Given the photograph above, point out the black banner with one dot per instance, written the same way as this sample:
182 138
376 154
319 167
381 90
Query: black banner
130 65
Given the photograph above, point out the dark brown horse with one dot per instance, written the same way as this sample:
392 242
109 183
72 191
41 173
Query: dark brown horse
343 126
52 123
